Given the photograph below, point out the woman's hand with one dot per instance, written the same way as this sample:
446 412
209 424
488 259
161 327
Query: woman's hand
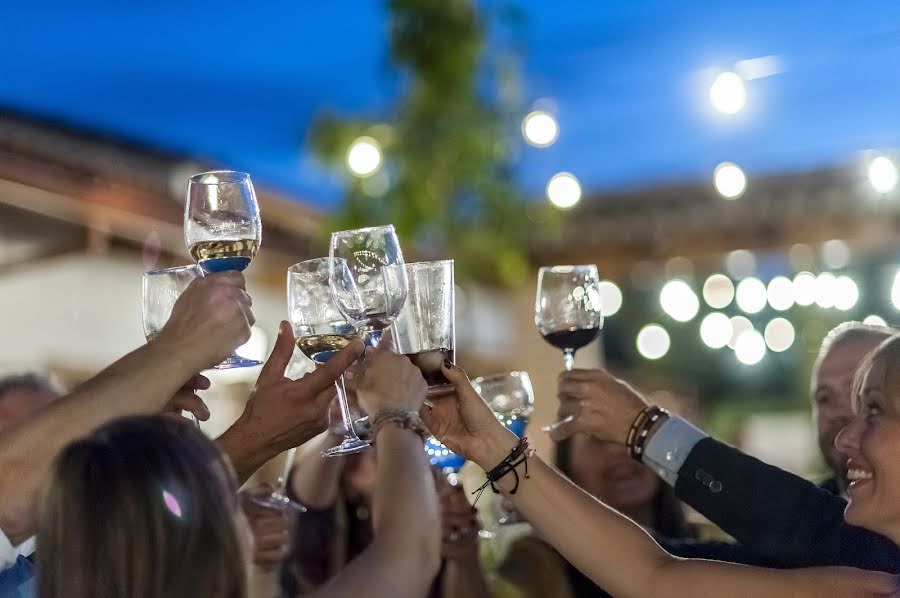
463 421
389 381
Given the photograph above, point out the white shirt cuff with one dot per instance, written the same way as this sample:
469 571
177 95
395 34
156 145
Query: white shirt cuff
669 447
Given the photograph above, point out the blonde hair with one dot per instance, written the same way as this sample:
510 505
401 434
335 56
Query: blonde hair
142 508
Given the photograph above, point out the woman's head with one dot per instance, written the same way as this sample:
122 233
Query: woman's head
142 508
871 442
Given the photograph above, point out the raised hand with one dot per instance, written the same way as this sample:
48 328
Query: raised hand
284 412
209 321
186 399
389 381
270 528
596 403
463 421
459 522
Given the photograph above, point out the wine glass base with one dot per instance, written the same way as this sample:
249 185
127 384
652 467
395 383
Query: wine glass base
276 500
350 446
236 361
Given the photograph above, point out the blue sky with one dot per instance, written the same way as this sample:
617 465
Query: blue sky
240 83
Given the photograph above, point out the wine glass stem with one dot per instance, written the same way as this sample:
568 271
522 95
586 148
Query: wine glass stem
281 484
569 359
345 409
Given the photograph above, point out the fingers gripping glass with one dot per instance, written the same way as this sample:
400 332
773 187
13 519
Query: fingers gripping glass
321 328
222 228
567 308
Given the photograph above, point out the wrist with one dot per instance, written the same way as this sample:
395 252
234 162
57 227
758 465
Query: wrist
247 451
496 446
177 355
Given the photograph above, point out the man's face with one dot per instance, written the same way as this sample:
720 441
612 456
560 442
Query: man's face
831 397
19 403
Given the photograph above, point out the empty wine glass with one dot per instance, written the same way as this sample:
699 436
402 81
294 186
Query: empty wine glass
321 329
511 397
567 308
161 289
222 228
374 273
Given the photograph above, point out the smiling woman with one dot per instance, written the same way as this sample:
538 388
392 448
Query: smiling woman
872 443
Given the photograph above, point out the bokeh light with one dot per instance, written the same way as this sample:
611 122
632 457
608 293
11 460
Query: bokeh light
779 335
610 297
653 341
739 325
750 347
564 190
882 174
846 293
540 129
716 330
874 320
718 291
730 180
835 254
895 291
727 93
751 295
825 290
740 263
364 156
679 301
780 292
804 289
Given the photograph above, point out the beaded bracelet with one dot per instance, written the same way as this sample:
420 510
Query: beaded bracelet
515 458
640 429
405 420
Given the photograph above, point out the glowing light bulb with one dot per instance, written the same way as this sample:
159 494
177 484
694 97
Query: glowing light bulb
364 156
730 180
540 129
564 190
727 93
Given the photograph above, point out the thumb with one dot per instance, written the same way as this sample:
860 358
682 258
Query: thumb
386 343
278 361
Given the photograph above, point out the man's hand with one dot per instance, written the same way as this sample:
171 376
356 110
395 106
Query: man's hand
459 522
389 381
211 319
596 403
283 413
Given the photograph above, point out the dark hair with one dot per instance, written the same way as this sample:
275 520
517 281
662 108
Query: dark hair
142 508
27 381
668 514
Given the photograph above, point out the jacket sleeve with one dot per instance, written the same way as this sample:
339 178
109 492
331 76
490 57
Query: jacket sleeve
775 514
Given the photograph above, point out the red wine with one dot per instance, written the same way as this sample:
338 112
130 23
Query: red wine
574 338
429 362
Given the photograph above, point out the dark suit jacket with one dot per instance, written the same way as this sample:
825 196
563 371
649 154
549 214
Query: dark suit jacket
785 519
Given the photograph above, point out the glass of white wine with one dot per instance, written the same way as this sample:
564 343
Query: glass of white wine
222 228
321 328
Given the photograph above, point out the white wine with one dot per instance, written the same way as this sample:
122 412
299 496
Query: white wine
322 347
219 256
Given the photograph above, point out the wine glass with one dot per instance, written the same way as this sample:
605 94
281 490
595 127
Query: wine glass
161 289
567 308
222 228
321 329
425 329
374 273
511 397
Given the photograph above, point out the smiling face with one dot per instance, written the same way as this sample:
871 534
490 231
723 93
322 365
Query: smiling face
872 444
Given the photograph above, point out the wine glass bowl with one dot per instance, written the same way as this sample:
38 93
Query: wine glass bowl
161 289
374 272
567 309
510 396
321 328
222 228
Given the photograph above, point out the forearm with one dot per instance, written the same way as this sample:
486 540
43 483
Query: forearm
463 578
139 383
316 480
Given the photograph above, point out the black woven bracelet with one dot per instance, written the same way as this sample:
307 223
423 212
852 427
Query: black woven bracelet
515 458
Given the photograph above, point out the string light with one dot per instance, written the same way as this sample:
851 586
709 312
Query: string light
740 263
882 174
779 335
653 341
739 325
679 301
718 291
564 190
610 297
716 330
364 156
727 93
804 289
825 291
730 180
846 293
751 295
540 129
750 347
874 320
780 292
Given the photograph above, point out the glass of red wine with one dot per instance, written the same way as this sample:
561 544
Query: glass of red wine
222 228
425 329
567 308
